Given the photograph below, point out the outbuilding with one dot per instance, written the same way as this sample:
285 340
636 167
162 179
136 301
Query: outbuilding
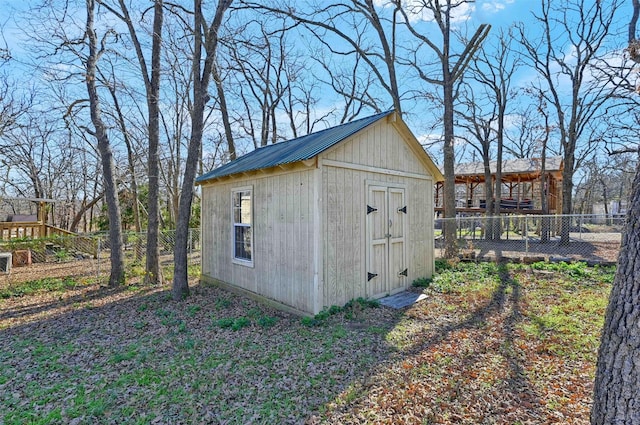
316 221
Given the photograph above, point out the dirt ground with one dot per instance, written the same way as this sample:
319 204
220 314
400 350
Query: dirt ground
477 353
76 268
90 268
593 252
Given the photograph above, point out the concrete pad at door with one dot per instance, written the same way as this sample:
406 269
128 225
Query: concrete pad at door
402 299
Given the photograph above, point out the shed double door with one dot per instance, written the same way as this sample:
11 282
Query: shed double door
386 228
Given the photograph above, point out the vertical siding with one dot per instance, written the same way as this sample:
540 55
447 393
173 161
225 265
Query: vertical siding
344 210
343 193
283 254
420 229
379 145
332 213
216 231
287 264
344 218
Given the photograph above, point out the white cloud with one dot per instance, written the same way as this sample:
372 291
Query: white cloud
495 6
429 140
492 7
461 11
382 3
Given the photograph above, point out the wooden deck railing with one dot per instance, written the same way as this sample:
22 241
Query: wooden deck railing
33 230
35 236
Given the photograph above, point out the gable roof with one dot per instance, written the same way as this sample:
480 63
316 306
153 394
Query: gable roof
294 150
518 165
528 168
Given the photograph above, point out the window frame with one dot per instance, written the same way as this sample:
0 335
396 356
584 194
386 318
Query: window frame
234 225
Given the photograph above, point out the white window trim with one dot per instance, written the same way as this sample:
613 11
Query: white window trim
234 259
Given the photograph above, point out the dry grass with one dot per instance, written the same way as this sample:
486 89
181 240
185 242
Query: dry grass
491 345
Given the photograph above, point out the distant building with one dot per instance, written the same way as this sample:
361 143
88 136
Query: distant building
616 209
523 186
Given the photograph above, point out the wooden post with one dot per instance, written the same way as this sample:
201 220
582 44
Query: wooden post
41 218
466 201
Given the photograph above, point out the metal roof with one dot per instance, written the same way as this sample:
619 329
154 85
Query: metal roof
515 166
294 150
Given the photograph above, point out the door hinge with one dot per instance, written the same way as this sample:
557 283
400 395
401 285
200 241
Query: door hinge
371 276
371 209
404 273
403 209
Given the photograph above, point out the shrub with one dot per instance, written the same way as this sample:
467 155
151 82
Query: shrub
421 282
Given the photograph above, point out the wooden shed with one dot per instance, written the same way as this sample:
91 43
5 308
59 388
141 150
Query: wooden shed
319 220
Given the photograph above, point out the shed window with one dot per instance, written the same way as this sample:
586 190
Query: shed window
242 219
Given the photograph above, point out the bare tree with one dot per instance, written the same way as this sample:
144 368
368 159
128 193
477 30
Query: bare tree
617 384
97 49
34 151
451 69
73 40
131 156
352 82
478 119
570 25
205 38
301 100
151 80
174 115
486 113
259 61
347 21
224 111
12 104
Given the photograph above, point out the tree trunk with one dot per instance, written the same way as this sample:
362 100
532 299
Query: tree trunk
567 191
132 169
616 398
544 189
497 226
451 249
201 78
108 169
152 89
224 112
605 200
488 195
83 210
153 273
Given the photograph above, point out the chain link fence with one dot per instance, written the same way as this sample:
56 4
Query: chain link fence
528 238
88 255
592 238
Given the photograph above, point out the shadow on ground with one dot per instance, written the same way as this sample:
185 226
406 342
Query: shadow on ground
104 355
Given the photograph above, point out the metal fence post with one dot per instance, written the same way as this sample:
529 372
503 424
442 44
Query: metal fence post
98 271
526 236
581 217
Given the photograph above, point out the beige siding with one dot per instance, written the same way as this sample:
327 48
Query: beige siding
379 145
283 252
309 225
420 232
344 217
377 154
343 195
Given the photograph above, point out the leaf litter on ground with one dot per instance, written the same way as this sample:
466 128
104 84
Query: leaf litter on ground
478 353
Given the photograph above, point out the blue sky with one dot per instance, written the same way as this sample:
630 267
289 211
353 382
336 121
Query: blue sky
10 28
498 13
